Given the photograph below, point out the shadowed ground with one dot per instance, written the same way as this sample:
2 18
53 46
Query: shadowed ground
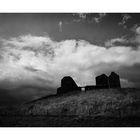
106 107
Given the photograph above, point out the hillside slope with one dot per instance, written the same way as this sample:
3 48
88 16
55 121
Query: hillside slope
105 107
91 103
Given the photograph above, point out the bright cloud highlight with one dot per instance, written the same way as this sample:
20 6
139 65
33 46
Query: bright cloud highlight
41 61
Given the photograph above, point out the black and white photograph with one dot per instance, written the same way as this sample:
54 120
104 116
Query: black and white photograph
70 69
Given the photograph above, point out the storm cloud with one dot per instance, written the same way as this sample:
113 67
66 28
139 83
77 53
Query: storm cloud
42 61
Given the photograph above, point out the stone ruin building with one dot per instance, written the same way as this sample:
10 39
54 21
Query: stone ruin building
102 82
90 87
111 81
114 80
67 85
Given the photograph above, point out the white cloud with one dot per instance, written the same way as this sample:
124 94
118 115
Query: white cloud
85 17
133 41
111 43
136 30
81 16
125 18
99 17
126 83
39 60
60 26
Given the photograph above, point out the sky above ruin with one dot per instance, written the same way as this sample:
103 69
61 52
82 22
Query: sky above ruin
37 50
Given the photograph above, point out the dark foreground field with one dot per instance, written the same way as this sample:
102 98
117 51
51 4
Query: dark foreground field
68 121
108 107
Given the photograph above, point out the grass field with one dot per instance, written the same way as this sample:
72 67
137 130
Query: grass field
105 107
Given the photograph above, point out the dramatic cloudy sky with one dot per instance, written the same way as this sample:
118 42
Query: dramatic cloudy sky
37 50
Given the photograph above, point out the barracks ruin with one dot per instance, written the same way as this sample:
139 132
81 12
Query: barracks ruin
102 82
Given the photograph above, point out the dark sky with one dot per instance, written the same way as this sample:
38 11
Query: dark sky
90 27
37 50
74 26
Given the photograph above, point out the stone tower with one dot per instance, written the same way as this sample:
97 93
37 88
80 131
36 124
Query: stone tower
67 85
114 80
102 81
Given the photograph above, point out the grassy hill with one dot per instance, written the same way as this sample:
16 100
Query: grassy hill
105 107
90 103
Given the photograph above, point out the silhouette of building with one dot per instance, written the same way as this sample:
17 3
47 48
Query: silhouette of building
114 80
102 81
91 87
67 85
